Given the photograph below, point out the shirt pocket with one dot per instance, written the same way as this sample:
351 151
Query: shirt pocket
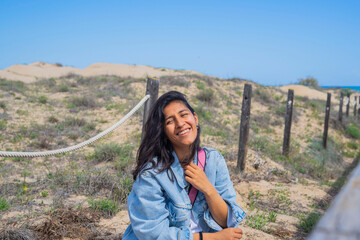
178 213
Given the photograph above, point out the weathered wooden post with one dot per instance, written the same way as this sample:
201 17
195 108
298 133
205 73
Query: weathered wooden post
355 105
327 116
152 88
341 106
359 108
347 105
244 127
288 118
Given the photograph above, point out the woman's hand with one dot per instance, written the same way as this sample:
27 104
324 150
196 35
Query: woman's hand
197 178
217 206
225 234
229 234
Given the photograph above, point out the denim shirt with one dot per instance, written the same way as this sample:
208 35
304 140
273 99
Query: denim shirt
160 209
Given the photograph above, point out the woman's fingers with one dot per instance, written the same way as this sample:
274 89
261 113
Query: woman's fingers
237 233
189 180
192 167
230 233
189 173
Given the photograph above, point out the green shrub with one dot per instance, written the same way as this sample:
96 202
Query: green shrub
309 81
44 193
3 105
89 127
175 81
113 151
349 154
43 99
353 131
22 112
315 105
307 223
358 155
200 85
259 220
9 85
106 206
51 82
53 119
280 110
206 95
215 131
4 205
272 216
62 88
346 91
82 102
353 145
74 122
3 124
203 113
261 93
261 121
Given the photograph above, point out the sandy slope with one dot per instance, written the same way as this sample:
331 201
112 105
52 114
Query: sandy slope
38 70
304 91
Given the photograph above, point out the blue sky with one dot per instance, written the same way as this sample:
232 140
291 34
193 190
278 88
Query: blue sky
269 42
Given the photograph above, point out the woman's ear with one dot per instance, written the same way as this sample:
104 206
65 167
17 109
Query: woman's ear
196 119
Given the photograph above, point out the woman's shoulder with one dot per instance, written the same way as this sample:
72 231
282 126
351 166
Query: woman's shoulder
153 169
150 168
211 152
213 156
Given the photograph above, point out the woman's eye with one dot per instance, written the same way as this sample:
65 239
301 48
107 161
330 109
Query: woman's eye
184 115
168 122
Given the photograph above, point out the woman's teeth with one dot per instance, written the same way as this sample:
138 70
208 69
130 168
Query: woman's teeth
183 132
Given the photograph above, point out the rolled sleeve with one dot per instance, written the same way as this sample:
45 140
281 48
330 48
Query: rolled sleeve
225 188
148 213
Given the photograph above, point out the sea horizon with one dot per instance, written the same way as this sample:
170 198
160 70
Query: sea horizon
356 88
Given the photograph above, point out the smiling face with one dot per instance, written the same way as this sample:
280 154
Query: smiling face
180 126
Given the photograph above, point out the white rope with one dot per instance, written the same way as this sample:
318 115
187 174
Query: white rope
80 145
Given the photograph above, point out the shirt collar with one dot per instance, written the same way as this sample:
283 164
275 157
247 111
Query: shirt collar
179 171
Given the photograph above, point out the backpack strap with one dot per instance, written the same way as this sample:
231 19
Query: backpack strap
201 163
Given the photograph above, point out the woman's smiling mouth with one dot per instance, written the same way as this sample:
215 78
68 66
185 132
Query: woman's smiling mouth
184 132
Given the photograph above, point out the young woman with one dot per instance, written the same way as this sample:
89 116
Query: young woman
167 168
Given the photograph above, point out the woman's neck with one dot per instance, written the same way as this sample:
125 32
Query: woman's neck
182 153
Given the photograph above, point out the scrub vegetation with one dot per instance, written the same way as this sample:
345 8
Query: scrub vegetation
78 192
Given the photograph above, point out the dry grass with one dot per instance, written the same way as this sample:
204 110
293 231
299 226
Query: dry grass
70 223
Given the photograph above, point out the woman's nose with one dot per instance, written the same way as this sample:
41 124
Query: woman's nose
179 123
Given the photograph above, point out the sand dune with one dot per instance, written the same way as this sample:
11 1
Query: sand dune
304 91
38 70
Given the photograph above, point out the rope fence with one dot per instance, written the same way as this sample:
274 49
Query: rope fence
79 145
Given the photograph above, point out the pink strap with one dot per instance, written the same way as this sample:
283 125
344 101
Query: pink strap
201 163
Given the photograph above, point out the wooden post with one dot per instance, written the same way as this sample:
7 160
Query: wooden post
152 88
348 105
355 105
341 106
244 127
359 108
327 116
288 118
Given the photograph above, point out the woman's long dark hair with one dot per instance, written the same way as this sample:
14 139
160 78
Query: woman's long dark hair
155 143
